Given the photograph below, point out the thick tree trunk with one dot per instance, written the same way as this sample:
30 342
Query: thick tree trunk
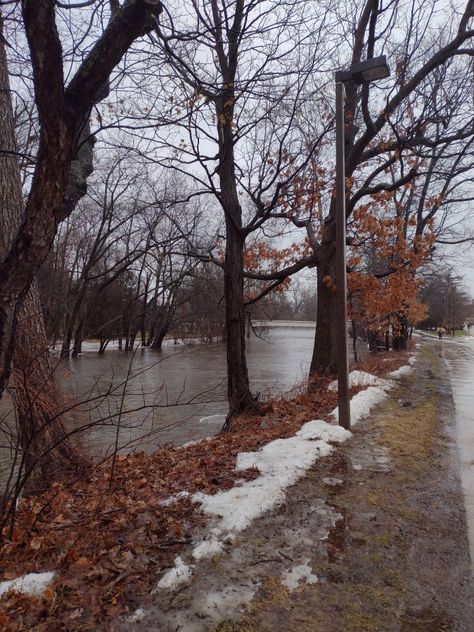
239 395
324 360
47 450
400 335
161 326
37 400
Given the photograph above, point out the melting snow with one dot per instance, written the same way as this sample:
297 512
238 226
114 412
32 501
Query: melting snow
332 481
172 499
33 583
178 575
230 598
295 575
362 403
136 616
362 378
319 429
401 372
207 548
281 463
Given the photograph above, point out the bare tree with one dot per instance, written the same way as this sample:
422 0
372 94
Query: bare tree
32 387
62 162
241 76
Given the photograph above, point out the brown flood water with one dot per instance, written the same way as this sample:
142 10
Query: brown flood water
145 399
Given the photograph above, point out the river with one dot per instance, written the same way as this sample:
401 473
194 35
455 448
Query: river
141 400
178 394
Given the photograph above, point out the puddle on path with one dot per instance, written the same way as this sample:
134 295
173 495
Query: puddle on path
460 362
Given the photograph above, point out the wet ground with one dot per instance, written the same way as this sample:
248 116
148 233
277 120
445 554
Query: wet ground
378 528
459 358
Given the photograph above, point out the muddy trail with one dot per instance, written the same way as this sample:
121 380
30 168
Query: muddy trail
372 539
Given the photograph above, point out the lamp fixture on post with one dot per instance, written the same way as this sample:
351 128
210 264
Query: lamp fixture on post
362 72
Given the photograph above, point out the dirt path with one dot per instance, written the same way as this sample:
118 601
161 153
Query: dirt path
378 528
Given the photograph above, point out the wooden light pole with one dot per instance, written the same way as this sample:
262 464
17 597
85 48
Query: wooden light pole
363 72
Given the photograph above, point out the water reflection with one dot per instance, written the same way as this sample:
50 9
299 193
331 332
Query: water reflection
179 394
459 357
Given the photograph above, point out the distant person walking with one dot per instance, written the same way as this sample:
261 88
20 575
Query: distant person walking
440 331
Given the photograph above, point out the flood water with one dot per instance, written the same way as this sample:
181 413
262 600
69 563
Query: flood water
178 394
145 399
459 357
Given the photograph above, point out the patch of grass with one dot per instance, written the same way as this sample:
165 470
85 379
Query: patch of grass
272 592
382 539
409 435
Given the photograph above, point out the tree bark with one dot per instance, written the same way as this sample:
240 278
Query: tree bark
239 395
324 360
36 397
238 387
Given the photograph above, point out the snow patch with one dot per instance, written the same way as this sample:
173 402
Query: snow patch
401 372
207 548
284 459
281 463
362 403
362 378
136 616
174 498
32 584
297 574
319 429
176 576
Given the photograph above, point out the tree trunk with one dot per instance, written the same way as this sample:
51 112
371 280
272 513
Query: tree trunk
143 313
73 318
324 360
238 388
239 395
400 335
103 345
161 326
37 400
78 337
